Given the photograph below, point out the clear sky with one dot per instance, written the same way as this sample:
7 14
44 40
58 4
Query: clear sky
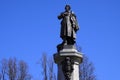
30 27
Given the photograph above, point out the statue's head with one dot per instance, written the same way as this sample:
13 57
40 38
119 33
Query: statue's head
67 7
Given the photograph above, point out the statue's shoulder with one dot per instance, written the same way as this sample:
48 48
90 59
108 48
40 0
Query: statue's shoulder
73 14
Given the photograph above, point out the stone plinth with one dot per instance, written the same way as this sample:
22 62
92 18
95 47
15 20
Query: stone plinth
75 58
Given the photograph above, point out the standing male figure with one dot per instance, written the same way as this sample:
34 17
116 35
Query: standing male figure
69 26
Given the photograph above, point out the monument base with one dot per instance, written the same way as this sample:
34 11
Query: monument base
68 60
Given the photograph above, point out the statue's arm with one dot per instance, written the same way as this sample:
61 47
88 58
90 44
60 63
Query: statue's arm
60 16
75 23
73 15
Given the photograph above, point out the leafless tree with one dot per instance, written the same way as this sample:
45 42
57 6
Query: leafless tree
55 78
0 76
23 70
44 66
28 77
12 69
47 64
3 72
87 70
50 66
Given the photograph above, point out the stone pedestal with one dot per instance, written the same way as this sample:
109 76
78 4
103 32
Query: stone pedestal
68 60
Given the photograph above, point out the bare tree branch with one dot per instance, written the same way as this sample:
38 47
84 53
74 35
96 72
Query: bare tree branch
44 66
0 76
3 69
87 70
23 70
50 66
47 64
12 69
55 77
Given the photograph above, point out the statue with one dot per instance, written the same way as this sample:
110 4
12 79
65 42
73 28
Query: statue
69 26
67 57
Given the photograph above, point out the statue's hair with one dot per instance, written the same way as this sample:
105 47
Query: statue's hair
68 6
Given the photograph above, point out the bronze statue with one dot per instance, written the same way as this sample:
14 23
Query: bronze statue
69 26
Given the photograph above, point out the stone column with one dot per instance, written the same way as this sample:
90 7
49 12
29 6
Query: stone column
68 59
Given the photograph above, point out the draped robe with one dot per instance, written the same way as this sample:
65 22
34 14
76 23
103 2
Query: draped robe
69 25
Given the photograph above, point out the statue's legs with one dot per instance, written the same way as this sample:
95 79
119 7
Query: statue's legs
64 41
70 41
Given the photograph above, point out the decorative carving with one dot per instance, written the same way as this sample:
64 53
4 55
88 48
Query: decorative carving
67 67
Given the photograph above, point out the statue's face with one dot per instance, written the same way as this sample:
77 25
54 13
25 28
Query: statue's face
67 7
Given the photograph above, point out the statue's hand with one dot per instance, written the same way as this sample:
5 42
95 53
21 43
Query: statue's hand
73 26
63 15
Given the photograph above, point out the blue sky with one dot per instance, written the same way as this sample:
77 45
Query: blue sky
30 27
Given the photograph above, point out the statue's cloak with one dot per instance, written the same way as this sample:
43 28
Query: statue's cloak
69 26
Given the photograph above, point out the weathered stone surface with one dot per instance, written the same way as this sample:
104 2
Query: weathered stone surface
75 56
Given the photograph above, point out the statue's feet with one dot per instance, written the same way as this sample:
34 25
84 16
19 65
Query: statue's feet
71 42
64 42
